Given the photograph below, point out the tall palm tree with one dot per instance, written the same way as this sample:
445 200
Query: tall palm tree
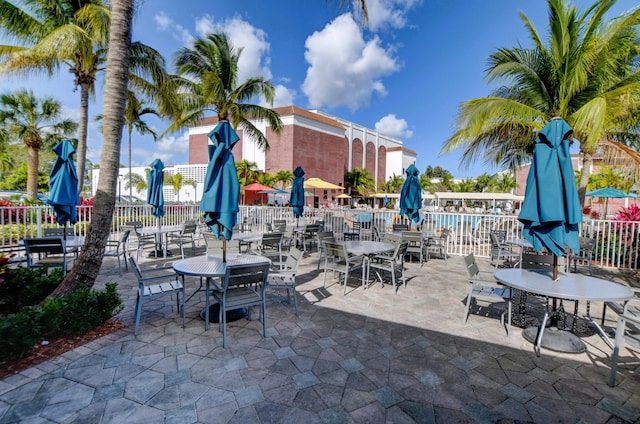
134 112
36 123
175 181
86 268
586 74
88 264
73 34
210 83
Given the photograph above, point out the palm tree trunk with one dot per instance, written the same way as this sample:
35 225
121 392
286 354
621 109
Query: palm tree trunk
82 135
32 173
86 269
587 164
130 181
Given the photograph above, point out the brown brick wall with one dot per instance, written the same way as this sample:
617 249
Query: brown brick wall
370 166
356 154
382 165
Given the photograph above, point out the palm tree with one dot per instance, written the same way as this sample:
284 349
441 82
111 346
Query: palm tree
134 180
483 182
247 172
284 177
36 123
504 183
392 185
587 75
465 186
73 34
175 181
88 264
134 112
210 84
359 180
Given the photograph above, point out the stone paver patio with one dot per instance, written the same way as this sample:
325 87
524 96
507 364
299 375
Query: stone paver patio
367 357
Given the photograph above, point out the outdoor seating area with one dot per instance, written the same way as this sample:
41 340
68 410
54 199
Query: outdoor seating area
399 347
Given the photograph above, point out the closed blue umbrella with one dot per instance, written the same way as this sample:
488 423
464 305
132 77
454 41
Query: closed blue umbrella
63 184
297 193
551 211
220 200
411 195
155 195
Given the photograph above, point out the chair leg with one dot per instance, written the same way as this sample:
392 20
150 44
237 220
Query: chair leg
466 312
138 312
295 298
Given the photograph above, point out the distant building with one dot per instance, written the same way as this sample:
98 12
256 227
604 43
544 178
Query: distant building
323 145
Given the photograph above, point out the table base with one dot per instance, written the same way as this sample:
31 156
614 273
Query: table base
556 340
159 253
214 313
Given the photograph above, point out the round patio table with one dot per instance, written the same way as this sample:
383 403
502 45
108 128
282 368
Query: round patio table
568 286
210 267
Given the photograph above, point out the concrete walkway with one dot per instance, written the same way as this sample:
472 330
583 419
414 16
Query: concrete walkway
367 357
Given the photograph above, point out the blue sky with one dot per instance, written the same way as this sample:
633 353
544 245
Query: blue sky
405 74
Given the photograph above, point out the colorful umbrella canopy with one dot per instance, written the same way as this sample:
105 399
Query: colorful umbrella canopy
297 192
221 186
63 184
343 196
155 195
551 210
322 184
258 187
411 195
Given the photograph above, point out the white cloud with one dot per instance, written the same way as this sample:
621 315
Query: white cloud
389 13
284 96
171 150
390 125
254 60
344 69
178 32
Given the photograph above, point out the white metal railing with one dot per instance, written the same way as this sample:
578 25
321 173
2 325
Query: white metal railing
617 246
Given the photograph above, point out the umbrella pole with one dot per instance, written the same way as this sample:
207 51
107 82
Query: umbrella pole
555 267
224 244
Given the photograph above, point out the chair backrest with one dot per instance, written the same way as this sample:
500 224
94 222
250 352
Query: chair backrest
587 245
52 246
376 236
391 238
214 246
325 236
414 238
271 239
240 275
535 261
498 236
293 259
134 224
400 227
189 227
136 271
470 266
335 250
124 237
60 231
401 250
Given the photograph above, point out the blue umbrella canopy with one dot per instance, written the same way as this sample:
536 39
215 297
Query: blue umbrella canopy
155 195
297 192
220 200
63 184
411 195
551 211
609 193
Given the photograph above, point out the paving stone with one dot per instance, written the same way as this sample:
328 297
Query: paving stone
305 379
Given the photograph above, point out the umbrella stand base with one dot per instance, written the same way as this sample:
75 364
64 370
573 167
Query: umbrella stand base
556 340
159 253
214 313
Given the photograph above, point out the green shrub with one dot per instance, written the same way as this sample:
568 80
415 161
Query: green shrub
25 286
74 313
